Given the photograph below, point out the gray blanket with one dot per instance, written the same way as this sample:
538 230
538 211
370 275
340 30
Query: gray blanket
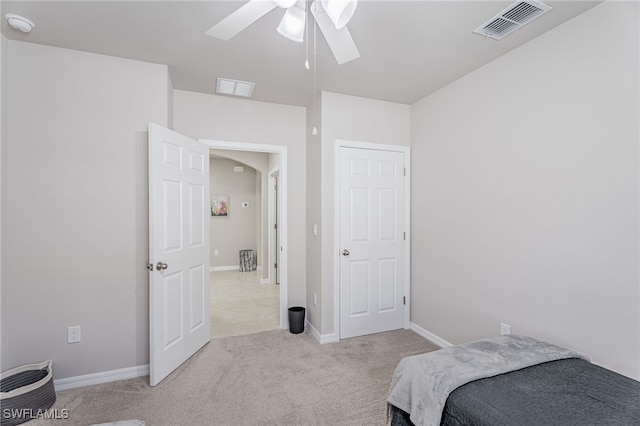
421 384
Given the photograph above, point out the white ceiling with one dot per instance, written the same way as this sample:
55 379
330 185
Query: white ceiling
408 49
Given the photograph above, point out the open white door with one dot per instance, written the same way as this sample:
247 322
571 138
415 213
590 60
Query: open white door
179 306
372 243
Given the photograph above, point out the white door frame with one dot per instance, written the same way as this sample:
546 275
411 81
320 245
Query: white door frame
340 143
282 151
273 212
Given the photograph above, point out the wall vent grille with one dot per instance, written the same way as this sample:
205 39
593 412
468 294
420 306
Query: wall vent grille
515 16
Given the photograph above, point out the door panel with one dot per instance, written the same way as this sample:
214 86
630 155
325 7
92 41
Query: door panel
359 202
359 291
387 285
172 291
371 241
197 297
179 305
171 217
197 205
387 226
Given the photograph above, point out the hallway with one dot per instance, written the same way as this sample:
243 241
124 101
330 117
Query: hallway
241 305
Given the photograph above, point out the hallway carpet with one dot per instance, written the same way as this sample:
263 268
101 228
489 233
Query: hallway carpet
241 305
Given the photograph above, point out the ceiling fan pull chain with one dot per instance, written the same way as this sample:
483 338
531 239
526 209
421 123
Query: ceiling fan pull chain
306 28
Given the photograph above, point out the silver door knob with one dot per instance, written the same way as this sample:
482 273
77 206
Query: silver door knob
345 252
160 266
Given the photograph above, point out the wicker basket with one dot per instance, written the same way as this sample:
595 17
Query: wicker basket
25 392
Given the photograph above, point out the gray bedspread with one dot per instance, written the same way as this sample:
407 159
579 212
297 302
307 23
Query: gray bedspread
566 392
421 384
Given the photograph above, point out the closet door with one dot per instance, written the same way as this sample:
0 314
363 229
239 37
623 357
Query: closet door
372 246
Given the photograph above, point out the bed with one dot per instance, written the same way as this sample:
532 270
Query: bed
510 380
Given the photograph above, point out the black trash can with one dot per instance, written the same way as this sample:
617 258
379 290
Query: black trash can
296 319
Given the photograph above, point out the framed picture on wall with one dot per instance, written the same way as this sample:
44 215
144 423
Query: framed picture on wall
219 205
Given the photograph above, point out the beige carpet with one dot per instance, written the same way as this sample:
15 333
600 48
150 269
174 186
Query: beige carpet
241 305
270 378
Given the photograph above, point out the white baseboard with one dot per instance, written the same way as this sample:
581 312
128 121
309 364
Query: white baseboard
322 338
103 377
430 336
225 268
229 268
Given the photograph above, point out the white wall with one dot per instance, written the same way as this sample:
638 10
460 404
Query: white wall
203 116
314 215
236 231
527 206
169 102
3 205
259 161
354 119
77 206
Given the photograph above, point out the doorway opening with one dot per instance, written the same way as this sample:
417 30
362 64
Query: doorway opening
249 300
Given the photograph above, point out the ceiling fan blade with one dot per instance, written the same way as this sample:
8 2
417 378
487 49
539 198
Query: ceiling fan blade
241 19
340 41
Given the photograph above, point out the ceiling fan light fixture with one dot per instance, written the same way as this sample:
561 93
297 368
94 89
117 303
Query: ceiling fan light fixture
293 23
340 11
285 3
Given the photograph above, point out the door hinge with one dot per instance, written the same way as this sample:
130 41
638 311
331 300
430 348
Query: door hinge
275 265
404 236
404 300
405 171
275 226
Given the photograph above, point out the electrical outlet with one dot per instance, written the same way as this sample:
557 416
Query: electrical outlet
73 334
505 328
315 299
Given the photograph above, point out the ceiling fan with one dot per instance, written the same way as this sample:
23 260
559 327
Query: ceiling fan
330 15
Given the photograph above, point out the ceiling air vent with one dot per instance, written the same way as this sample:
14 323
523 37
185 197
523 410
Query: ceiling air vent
512 18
